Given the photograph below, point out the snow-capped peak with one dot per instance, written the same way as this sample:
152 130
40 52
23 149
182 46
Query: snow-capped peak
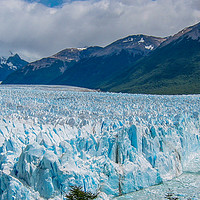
10 64
82 48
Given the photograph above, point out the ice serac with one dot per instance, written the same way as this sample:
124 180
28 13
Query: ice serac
52 138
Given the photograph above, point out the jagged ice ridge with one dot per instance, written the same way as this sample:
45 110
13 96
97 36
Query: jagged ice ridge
52 138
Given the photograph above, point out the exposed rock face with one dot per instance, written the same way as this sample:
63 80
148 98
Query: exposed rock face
48 70
173 68
10 64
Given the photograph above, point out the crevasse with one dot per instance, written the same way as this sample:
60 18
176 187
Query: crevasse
52 138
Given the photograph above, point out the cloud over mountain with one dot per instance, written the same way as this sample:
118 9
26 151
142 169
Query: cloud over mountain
34 30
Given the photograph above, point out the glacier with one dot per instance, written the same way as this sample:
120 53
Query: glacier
182 187
52 138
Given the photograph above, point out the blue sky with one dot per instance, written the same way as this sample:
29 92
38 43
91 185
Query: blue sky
52 3
39 28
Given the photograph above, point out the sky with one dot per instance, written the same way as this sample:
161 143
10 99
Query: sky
40 28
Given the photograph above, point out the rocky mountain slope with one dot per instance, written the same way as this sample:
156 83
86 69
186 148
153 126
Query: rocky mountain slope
10 64
173 68
76 66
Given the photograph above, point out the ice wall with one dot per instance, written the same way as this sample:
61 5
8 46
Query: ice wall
112 143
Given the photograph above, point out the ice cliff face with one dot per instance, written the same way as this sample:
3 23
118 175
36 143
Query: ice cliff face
51 138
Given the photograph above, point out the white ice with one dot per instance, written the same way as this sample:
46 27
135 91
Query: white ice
52 138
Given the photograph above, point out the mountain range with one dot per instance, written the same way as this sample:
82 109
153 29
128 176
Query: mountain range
173 68
85 67
135 64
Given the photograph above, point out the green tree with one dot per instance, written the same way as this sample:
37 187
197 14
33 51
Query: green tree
77 193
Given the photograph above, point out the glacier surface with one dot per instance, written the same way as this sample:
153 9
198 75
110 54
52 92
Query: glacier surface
183 187
52 138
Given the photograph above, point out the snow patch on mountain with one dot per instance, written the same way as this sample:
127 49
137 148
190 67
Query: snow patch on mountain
141 40
62 69
150 47
3 60
81 49
11 63
128 40
12 66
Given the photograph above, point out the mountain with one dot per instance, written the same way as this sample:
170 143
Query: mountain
135 64
45 70
173 68
108 62
135 44
86 67
10 64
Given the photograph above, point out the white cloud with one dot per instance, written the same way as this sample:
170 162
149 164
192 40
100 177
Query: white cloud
35 31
